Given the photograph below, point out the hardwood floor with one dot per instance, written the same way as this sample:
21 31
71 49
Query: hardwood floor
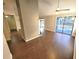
49 46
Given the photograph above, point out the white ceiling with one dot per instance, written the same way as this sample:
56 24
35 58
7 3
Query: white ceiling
10 7
46 7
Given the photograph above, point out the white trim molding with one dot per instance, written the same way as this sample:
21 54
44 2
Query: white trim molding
32 38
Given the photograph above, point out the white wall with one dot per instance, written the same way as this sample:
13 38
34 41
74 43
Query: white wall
30 18
6 29
6 51
50 22
17 20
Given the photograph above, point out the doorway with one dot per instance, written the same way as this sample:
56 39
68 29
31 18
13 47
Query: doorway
42 26
11 22
65 24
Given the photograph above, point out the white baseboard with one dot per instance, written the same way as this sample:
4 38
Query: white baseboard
32 38
50 30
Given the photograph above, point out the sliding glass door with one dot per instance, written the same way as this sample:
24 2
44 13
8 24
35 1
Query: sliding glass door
65 24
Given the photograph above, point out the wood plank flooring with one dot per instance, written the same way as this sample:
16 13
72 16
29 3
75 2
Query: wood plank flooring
49 46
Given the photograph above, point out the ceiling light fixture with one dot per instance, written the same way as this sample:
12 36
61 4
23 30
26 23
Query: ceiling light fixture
6 16
58 8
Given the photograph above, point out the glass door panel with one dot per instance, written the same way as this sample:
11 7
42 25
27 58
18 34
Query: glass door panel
59 24
59 28
68 25
67 29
